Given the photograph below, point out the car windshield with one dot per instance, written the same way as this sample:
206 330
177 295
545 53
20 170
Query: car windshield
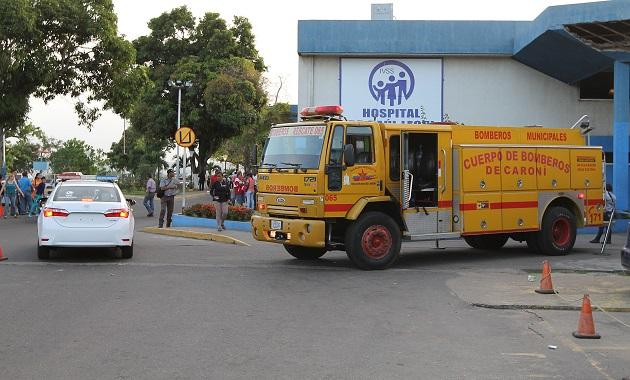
73 193
294 147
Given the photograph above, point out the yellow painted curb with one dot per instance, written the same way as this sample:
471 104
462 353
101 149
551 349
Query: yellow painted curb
194 235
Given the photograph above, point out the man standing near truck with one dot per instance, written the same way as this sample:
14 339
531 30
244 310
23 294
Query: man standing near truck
169 185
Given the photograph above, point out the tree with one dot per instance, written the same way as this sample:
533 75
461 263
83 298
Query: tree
31 142
142 155
76 156
224 66
239 149
56 47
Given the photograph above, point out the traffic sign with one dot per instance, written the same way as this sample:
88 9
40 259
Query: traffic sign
185 137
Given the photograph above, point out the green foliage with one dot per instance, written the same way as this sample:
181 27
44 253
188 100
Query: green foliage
31 141
239 149
140 155
223 64
54 47
76 156
207 210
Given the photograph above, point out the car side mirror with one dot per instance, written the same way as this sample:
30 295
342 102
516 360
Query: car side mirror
131 202
348 155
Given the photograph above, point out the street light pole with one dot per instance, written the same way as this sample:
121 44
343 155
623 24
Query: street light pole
3 169
179 124
178 84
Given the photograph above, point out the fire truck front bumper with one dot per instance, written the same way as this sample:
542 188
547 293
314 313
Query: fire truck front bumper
302 232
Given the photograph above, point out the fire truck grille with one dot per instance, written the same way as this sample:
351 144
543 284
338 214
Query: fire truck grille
282 210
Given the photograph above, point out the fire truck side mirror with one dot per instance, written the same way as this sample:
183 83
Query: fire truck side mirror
348 155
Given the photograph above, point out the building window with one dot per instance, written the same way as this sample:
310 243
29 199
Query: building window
598 86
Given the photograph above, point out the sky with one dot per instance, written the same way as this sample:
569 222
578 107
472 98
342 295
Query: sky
274 24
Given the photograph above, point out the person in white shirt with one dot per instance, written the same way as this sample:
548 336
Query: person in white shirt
149 195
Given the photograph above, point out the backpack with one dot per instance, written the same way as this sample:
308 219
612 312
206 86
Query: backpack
159 192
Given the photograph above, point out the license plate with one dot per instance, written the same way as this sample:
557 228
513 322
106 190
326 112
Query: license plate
276 224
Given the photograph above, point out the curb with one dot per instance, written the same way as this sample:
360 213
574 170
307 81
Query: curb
180 220
547 307
194 235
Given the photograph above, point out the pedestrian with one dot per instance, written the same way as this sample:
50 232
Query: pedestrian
149 195
169 185
233 177
220 195
10 191
202 179
39 194
26 189
610 200
249 194
213 177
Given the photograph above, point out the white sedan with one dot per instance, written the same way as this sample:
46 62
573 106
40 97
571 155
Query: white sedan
82 213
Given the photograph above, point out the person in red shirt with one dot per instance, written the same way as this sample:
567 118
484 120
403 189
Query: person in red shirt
249 194
239 189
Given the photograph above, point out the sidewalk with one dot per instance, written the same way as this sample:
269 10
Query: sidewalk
226 236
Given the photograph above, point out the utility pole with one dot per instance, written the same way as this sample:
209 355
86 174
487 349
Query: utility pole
3 169
178 84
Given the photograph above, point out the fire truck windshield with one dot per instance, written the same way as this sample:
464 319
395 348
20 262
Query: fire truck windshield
294 146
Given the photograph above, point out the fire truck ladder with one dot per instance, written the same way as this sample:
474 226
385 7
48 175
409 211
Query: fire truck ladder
610 222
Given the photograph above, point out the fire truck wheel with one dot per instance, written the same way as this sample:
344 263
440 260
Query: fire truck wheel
491 242
558 231
373 241
305 253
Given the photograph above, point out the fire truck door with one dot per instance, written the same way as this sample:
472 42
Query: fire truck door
345 185
426 190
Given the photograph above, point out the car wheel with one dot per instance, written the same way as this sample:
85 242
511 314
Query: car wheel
558 231
305 253
373 241
43 252
487 242
127 251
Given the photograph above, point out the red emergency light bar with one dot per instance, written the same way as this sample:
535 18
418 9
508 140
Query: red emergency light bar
322 111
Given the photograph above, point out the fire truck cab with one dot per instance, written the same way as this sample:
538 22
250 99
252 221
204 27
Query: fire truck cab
327 183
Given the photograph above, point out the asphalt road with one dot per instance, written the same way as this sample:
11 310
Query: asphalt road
189 309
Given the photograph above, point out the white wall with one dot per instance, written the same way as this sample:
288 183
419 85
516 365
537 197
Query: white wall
479 90
503 91
318 79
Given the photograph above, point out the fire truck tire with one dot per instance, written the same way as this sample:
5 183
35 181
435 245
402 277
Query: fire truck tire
488 242
373 241
558 231
305 253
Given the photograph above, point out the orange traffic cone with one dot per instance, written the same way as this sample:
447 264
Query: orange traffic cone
546 287
586 327
2 258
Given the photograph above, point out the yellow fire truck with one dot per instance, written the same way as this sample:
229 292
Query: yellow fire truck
364 187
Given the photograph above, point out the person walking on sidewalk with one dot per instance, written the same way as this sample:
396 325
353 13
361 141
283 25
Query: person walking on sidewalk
149 195
610 200
220 195
10 190
39 194
169 185
26 189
